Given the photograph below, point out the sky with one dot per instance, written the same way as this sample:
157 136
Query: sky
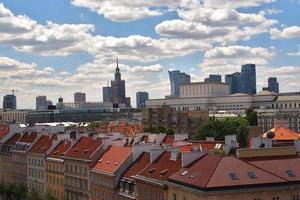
59 47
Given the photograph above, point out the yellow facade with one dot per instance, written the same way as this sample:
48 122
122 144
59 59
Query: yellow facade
55 178
6 168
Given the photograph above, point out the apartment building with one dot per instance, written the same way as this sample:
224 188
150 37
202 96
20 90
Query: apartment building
19 158
55 180
78 161
36 157
6 170
105 175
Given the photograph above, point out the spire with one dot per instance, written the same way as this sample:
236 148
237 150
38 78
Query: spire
117 73
117 69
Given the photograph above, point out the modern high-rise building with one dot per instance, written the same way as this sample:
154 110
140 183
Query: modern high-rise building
141 98
107 94
273 85
234 81
79 98
9 102
213 78
41 103
248 79
118 88
177 78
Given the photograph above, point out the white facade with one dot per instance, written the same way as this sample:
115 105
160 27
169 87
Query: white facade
204 89
14 116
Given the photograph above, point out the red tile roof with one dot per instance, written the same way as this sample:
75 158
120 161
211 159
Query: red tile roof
162 168
60 149
212 171
204 145
12 141
140 164
28 138
84 148
43 144
112 159
281 166
4 130
282 133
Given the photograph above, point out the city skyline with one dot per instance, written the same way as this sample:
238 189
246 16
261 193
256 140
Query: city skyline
56 54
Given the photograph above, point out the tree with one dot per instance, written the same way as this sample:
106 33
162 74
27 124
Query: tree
251 116
220 128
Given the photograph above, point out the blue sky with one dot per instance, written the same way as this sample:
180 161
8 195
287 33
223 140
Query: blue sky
59 47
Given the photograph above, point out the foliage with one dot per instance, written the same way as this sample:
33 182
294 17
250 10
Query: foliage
157 130
251 116
220 128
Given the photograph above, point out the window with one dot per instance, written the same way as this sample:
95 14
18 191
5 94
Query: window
252 175
290 173
174 196
233 176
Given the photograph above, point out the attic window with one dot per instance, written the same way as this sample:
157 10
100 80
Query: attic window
86 150
151 170
233 176
116 164
44 148
194 175
100 161
163 172
107 162
252 175
75 150
290 173
184 173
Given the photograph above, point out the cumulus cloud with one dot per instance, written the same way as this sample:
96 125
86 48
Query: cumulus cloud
235 4
286 33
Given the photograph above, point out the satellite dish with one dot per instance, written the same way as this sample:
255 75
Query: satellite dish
270 135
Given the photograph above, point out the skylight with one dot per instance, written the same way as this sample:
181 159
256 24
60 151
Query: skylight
252 175
184 173
290 173
233 176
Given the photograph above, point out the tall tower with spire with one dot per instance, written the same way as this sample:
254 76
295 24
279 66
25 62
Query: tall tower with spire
118 88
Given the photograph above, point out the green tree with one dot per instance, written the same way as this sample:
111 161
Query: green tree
220 128
251 116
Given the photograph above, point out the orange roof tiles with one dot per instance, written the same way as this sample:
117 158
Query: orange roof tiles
60 149
28 137
282 133
140 164
162 168
4 130
112 159
12 141
43 144
84 148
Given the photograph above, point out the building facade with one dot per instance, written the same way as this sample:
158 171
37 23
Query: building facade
107 94
177 78
213 78
17 116
273 85
79 97
203 89
141 98
234 81
9 102
41 103
248 79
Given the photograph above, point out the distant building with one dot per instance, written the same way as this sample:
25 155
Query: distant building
60 100
273 85
128 102
203 89
177 78
234 81
18 116
79 98
41 103
9 102
213 78
118 88
49 103
141 98
107 93
248 79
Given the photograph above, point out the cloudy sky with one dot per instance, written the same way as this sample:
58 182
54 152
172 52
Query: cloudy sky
58 47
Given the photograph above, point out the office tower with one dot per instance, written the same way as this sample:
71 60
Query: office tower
177 78
79 98
128 102
234 81
107 94
273 85
118 88
213 78
9 102
41 103
141 98
60 100
248 79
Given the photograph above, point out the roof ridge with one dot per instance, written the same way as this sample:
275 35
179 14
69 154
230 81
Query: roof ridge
264 170
221 157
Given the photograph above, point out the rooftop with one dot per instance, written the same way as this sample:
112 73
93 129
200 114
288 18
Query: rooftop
43 144
4 130
282 133
28 137
84 148
12 141
112 159
141 163
60 149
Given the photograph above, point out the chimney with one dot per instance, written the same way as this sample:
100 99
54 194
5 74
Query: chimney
174 154
230 143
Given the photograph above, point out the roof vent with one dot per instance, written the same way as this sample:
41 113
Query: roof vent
107 162
100 161
163 172
116 164
184 173
151 170
86 150
75 150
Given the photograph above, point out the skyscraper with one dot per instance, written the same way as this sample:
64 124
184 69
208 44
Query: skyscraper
273 85
234 81
141 98
248 79
41 103
9 102
79 98
118 88
213 78
107 94
177 78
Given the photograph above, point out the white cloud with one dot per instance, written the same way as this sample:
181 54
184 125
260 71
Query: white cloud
286 33
234 4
